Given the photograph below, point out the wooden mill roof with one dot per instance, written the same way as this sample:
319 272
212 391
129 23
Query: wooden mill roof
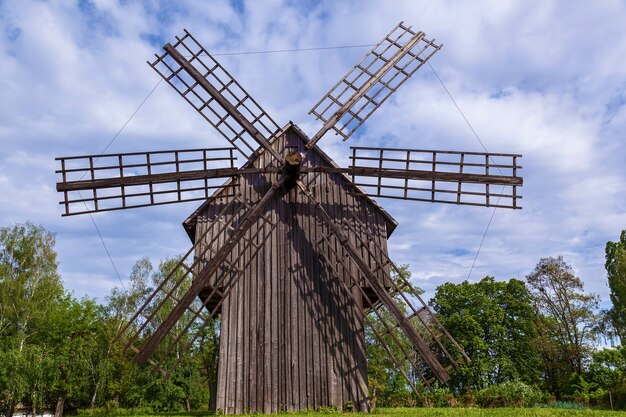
190 222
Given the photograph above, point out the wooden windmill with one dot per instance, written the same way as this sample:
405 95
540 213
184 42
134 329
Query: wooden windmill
291 251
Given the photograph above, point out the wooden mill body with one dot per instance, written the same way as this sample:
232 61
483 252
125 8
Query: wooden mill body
292 327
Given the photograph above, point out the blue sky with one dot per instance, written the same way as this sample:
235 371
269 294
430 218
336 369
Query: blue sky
545 79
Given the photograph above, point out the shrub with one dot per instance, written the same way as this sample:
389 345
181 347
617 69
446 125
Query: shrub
468 399
438 397
601 398
111 409
508 394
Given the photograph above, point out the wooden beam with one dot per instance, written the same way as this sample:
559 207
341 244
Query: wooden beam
415 174
335 118
160 178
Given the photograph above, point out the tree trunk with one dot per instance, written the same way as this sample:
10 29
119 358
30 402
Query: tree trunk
58 411
93 397
213 394
10 407
187 405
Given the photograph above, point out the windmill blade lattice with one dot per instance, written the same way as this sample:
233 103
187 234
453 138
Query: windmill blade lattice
379 288
141 179
215 94
386 329
372 81
451 177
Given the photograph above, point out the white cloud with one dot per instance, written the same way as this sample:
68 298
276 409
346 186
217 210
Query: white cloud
545 80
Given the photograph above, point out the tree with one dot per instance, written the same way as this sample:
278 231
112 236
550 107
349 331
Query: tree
75 329
608 367
608 371
616 272
29 288
566 320
494 322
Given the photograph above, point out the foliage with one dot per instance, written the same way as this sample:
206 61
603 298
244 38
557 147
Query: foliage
566 321
562 405
494 322
608 367
30 289
58 351
616 272
438 397
607 371
508 394
137 386
387 384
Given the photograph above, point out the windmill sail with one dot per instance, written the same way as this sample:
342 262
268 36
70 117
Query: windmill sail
210 263
384 298
95 183
215 94
372 81
467 178
381 326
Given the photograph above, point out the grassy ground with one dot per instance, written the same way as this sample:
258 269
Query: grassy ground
493 412
434 412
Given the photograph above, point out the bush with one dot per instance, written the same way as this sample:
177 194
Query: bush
438 397
508 394
468 399
617 397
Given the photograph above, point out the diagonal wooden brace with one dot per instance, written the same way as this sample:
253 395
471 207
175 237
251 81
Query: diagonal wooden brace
416 340
200 282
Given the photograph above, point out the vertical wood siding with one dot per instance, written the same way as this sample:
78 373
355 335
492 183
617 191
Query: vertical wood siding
291 332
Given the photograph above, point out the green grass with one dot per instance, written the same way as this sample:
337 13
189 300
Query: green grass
493 412
428 412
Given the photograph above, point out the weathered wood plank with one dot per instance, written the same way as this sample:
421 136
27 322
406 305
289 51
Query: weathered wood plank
300 343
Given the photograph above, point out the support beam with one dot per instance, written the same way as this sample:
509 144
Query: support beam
159 178
414 174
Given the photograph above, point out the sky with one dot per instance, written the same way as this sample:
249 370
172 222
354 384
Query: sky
545 79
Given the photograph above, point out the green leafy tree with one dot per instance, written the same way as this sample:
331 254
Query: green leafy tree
30 287
208 350
566 321
608 367
616 272
494 322
75 327
608 371
118 374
